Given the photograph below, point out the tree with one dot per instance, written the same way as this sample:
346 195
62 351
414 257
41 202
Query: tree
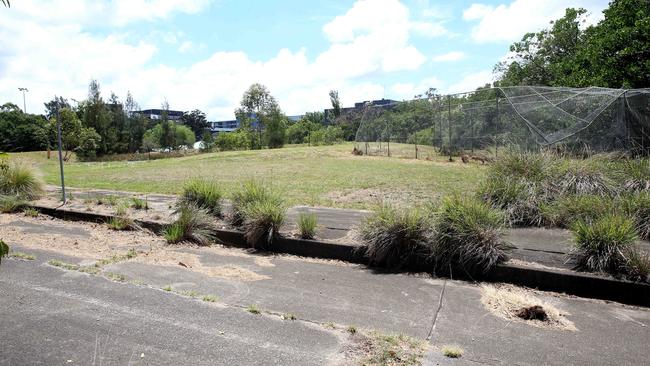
55 104
20 131
159 136
256 109
135 124
276 126
207 140
196 121
336 102
84 141
97 116
298 133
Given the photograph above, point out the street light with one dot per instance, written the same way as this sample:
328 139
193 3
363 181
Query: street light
24 105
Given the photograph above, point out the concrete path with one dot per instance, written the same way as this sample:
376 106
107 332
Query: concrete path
52 315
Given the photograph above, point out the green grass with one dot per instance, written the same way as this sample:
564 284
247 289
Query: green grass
193 224
452 351
30 212
202 193
322 176
263 220
209 298
307 224
139 203
253 309
10 204
21 255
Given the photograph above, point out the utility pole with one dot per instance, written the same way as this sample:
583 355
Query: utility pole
24 104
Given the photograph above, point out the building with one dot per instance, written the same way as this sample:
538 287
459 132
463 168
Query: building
217 127
156 114
381 103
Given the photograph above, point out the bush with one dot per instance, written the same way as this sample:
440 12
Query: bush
19 180
397 238
307 224
237 140
263 219
250 191
194 224
326 136
603 246
468 236
520 199
10 204
203 194
564 211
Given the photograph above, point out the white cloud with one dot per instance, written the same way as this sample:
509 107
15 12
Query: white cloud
403 91
449 56
509 22
470 82
51 55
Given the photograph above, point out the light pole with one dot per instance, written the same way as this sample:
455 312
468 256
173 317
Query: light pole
24 105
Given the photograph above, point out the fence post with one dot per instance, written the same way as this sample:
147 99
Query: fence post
58 130
496 138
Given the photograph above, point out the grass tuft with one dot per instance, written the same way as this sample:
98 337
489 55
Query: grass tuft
21 255
396 238
193 224
468 236
30 212
263 221
604 245
168 288
121 220
20 180
307 224
11 204
452 351
250 192
203 194
253 309
209 298
139 203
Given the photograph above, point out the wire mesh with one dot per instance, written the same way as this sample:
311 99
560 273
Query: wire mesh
524 117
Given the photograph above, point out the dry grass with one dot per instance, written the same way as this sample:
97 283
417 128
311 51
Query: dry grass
506 301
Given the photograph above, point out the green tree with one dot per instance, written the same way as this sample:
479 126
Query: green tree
196 121
21 131
257 108
207 140
84 141
97 116
135 124
336 102
159 136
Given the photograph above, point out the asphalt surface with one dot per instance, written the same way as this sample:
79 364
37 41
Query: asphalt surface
56 316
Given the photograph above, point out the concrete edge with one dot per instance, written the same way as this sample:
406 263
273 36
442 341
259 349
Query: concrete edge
547 279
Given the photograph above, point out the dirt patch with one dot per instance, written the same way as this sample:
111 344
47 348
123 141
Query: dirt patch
374 348
191 262
516 304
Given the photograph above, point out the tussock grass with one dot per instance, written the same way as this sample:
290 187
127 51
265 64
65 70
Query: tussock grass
566 210
121 220
204 194
604 245
307 224
468 236
263 221
253 309
248 193
397 238
193 225
139 203
10 204
19 180
452 351
30 212
209 298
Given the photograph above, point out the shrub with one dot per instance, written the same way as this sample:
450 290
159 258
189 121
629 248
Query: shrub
9 204
638 207
468 236
263 220
307 224
397 238
638 266
203 194
251 191
194 224
564 211
602 245
19 180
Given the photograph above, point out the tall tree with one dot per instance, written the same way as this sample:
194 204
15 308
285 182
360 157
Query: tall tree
97 116
196 121
256 108
336 102
55 104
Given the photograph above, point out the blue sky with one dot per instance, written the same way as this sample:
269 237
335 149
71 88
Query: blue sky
203 54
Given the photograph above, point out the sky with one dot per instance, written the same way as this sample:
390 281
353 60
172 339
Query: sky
203 54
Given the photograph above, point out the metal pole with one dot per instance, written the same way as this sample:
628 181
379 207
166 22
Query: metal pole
496 139
58 129
24 104
449 123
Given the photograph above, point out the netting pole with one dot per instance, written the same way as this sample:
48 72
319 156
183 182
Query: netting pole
496 138
389 145
449 122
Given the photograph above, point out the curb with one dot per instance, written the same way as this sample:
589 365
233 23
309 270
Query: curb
546 279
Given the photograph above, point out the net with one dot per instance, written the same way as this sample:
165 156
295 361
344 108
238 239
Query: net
524 117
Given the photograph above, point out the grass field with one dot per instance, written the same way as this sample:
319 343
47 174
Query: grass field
317 176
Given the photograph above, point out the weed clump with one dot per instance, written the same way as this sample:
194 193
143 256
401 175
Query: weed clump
250 191
397 238
204 194
469 236
263 222
121 220
608 245
193 224
19 180
307 224
452 351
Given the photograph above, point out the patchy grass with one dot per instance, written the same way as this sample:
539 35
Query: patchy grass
209 298
168 288
130 254
376 348
253 309
139 203
452 351
10 204
21 255
30 212
306 175
74 267
307 224
118 277
188 293
289 316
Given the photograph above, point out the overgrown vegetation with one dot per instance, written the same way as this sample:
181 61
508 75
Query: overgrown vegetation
397 238
193 224
19 180
307 224
10 204
608 245
204 194
260 210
